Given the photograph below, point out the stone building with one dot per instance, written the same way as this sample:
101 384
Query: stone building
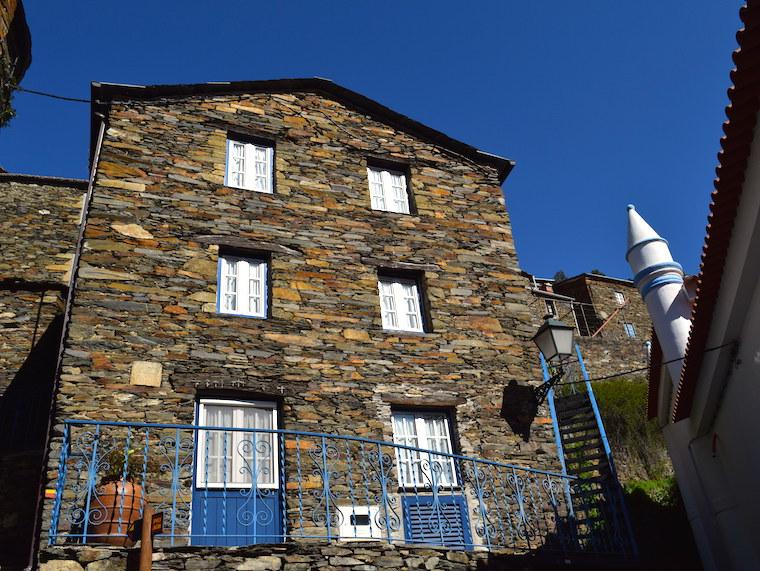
39 218
612 325
290 316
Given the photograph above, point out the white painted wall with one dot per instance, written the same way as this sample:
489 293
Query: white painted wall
716 452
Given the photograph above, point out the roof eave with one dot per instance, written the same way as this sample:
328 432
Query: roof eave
103 93
736 146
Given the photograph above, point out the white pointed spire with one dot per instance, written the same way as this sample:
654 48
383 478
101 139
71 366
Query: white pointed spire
660 281
646 248
638 229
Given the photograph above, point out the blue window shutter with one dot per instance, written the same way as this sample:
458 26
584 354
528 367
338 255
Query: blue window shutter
445 523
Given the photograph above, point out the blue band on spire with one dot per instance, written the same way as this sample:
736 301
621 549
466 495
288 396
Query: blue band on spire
660 281
656 268
642 242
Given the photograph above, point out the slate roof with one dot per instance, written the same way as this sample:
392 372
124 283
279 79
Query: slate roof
104 93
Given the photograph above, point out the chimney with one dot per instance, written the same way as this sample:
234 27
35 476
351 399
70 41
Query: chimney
660 282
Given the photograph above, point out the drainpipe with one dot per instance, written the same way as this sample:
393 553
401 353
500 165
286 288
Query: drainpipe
64 332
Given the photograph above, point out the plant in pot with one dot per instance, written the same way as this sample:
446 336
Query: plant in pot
118 498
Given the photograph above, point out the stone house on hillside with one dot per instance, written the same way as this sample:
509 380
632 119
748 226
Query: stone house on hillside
611 321
291 316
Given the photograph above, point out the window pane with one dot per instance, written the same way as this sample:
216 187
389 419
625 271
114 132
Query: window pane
411 306
237 168
400 198
409 462
376 190
230 273
218 466
231 457
258 446
388 305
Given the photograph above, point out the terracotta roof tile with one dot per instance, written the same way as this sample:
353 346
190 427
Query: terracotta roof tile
739 129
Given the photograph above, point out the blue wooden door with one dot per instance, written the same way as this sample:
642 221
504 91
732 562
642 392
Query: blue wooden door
236 497
236 517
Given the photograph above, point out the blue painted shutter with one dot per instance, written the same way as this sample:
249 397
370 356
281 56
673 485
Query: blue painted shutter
444 523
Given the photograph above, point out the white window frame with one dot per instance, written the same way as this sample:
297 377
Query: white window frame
551 309
410 457
388 190
630 329
246 177
235 437
245 271
393 297
619 297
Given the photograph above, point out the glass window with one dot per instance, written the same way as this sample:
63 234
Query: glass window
619 297
400 304
550 310
428 431
387 190
236 458
249 166
242 286
630 330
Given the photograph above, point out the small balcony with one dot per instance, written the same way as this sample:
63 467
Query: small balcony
219 486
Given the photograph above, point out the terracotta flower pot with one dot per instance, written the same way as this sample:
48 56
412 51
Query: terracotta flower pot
112 509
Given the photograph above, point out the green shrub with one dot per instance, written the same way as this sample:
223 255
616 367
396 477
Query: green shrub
637 444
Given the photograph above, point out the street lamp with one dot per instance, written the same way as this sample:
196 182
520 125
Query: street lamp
555 341
519 404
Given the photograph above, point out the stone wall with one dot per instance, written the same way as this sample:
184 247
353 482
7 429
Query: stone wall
633 311
359 556
344 556
146 286
611 350
39 222
38 229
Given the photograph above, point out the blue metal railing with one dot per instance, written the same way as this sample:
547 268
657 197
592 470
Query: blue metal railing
224 486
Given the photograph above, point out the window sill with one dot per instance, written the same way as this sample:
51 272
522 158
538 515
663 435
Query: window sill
268 192
383 213
261 317
277 323
403 333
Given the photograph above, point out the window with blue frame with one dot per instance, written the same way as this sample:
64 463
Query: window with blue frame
242 286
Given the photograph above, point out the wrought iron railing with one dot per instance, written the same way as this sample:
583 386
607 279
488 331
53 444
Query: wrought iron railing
223 486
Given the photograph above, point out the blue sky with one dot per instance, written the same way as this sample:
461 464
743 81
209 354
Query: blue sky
600 102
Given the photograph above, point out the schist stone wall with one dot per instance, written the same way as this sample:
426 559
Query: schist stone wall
611 350
147 280
39 219
350 556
